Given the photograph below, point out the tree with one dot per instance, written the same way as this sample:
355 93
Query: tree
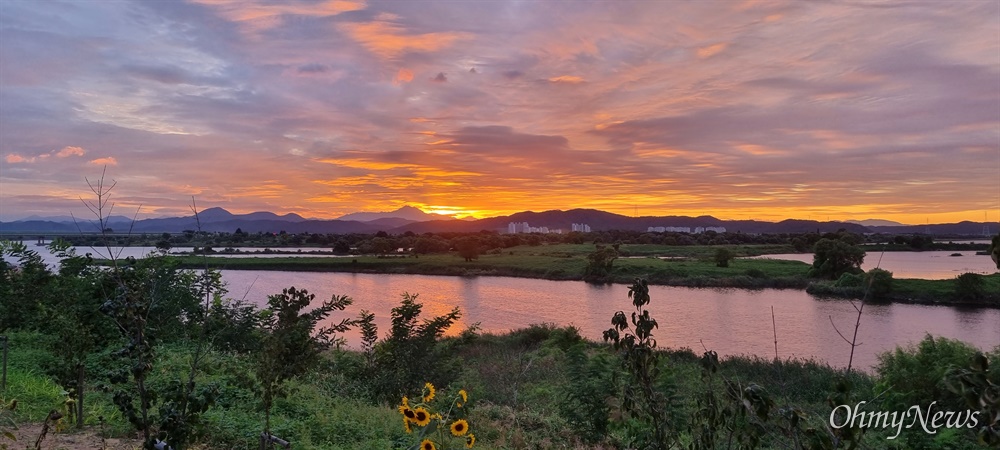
835 257
381 245
995 250
879 282
409 354
722 257
599 264
291 345
163 245
468 248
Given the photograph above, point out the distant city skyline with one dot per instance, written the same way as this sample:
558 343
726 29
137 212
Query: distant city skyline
739 110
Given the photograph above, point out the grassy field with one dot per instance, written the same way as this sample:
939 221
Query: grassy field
670 265
938 291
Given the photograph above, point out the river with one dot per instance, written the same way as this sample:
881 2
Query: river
729 321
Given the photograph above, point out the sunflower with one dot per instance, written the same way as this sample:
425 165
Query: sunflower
405 406
427 444
459 427
407 413
430 392
470 440
406 425
465 398
421 417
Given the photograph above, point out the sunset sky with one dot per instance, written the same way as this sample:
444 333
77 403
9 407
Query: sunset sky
766 110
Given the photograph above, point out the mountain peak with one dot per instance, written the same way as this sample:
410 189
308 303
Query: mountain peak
214 213
406 212
876 223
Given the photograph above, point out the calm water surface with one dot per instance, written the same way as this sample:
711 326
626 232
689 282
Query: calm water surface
936 265
729 321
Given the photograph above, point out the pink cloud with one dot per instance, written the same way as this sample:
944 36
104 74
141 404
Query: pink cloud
14 158
388 40
260 16
108 161
403 76
70 151
571 79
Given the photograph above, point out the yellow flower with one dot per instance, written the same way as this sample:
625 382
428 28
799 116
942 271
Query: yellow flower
407 412
430 392
459 427
421 417
426 444
470 440
465 398
405 406
406 424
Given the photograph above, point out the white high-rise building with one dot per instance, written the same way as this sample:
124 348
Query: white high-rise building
581 227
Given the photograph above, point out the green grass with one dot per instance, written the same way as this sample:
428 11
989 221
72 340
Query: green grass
516 381
943 291
915 290
554 262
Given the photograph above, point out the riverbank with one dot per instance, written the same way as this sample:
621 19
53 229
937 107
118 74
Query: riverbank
667 271
670 271
985 293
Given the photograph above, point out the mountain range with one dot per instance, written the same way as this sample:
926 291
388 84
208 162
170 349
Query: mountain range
414 220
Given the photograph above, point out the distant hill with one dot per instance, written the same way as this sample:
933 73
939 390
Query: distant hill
601 220
407 212
221 220
964 228
876 223
211 219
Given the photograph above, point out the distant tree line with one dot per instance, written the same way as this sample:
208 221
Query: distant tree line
474 244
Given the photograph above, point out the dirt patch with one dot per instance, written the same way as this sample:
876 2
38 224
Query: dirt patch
89 438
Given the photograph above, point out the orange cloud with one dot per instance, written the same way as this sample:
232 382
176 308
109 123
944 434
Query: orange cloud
711 50
364 164
70 151
108 161
403 76
259 17
570 79
388 40
759 150
14 158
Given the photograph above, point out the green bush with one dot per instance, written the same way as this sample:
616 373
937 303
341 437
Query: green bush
914 375
970 286
879 283
849 280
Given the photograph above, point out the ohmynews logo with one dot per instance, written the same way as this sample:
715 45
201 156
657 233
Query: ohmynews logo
931 421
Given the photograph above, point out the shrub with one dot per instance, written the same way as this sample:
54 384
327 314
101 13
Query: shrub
969 286
913 375
410 352
756 273
722 257
879 283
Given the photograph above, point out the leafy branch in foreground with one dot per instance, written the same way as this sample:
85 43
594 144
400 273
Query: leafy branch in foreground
291 344
636 347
